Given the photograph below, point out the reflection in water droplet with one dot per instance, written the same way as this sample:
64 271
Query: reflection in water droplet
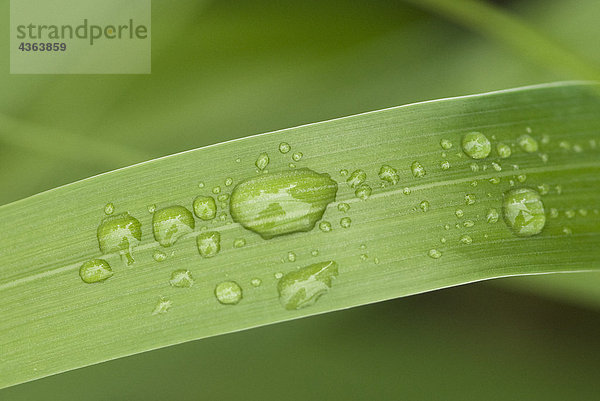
417 169
434 254
171 223
282 203
524 212
284 147
159 256
181 279
302 288
95 271
205 207
345 222
389 174
228 293
528 144
476 145
262 161
119 233
162 306
209 243
363 192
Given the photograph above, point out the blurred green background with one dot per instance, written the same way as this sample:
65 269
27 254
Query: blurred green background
228 69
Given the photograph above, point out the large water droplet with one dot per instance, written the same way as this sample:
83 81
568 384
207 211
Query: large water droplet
205 207
476 145
302 288
209 243
181 279
262 161
228 293
417 169
389 174
119 233
524 212
282 203
95 271
171 223
356 178
528 144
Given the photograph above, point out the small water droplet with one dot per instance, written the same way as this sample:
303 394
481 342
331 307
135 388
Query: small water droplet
459 213
445 165
343 207
504 151
543 189
424 205
162 306
278 275
205 207
466 239
228 293
528 144
256 282
262 161
468 223
302 288
345 222
474 167
297 156
583 212
558 189
325 226
314 252
567 230
570 213
446 226
238 160
151 208
470 199
524 212
545 139
446 144
418 171
376 261
95 271
291 256
494 180
554 213
492 216
159 256
200 184
228 181
474 183
496 166
364 257
389 174
356 178
284 147
291 165
109 208
476 145
434 254
119 233
564 145
406 191
181 279
343 172
216 190
577 149
544 157
222 197
363 192
239 243
209 243
171 223
521 178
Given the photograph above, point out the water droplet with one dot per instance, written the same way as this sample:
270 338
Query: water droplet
544 157
545 139
228 181
363 192
476 145
376 261
521 178
459 213
216 190
228 293
181 279
470 199
325 226
200 184
151 208
109 208
445 165
474 167
223 216
209 243
558 189
468 223
238 160
492 216
159 256
554 213
543 189
567 230
239 243
570 213
424 205
256 282
364 257
583 212
577 149
504 151
343 207
527 143
466 239
278 275
418 171
345 222
524 212
282 203
389 174
297 156
171 223
95 271
314 252
223 197
119 233
564 145
363 246
406 191
446 226
434 254
291 256
284 147
302 288
162 306
494 180
262 161
474 183
205 207
443 240
446 144
356 178
496 166
343 172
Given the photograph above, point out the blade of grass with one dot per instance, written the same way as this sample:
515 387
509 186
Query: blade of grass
53 322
